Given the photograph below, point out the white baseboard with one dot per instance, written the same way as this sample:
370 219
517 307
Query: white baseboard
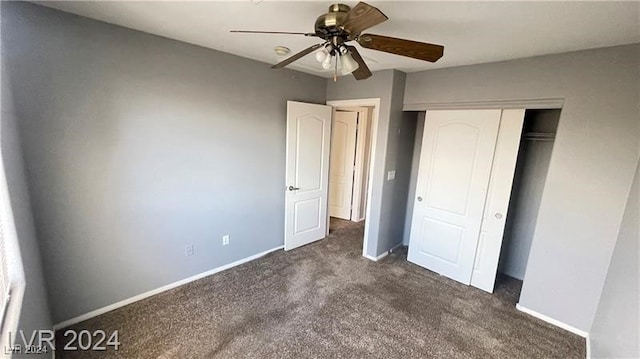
375 259
396 247
122 303
552 321
588 347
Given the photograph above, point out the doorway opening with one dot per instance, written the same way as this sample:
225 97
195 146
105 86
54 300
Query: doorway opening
534 155
349 163
349 169
354 129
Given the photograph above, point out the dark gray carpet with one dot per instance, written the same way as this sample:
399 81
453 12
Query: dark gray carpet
325 300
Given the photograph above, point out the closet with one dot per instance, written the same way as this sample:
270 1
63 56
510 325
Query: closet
480 179
466 168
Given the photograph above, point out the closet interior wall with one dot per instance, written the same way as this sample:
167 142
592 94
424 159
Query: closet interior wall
530 176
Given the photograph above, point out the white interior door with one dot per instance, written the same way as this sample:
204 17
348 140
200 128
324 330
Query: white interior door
361 174
343 151
453 178
497 203
307 172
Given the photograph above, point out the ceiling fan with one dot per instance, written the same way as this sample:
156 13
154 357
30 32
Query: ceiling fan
343 24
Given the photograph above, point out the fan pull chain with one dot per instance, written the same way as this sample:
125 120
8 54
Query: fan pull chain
335 72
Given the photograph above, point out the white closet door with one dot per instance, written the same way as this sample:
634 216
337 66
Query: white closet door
453 179
499 194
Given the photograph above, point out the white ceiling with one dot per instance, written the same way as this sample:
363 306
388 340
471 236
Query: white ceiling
472 32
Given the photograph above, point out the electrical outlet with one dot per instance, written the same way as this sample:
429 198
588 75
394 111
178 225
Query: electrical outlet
188 250
391 175
225 239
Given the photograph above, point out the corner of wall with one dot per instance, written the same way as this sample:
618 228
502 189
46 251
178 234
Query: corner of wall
34 310
615 330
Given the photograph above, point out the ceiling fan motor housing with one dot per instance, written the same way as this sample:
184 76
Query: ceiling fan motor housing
328 25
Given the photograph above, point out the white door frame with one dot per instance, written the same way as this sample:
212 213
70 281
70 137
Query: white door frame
365 102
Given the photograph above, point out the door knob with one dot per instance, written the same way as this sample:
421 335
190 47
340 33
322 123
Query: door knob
291 188
419 199
498 215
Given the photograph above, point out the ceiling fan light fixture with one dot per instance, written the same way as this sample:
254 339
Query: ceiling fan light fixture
327 50
326 62
320 55
347 64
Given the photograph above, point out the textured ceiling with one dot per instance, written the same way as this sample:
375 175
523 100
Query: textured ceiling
472 32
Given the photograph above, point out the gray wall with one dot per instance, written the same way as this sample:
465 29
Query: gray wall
615 332
528 184
402 132
34 313
386 221
136 146
591 169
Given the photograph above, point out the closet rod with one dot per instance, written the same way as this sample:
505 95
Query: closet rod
539 136
537 139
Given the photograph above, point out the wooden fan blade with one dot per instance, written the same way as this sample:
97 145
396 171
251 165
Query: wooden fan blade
362 72
362 17
274 32
297 56
402 47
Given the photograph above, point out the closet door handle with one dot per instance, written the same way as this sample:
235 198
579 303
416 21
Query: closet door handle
498 215
419 199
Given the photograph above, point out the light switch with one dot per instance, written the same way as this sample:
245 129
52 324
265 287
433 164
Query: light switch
391 175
